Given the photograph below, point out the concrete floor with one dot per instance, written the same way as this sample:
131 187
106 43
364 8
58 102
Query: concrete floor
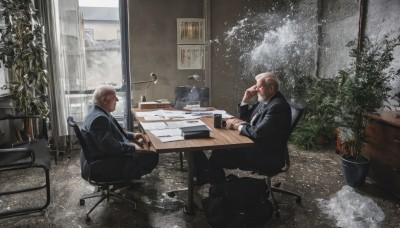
315 175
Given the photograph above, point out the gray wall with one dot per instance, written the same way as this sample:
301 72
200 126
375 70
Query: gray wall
339 25
249 37
153 47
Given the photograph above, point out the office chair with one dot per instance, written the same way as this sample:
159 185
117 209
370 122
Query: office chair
104 188
28 156
297 112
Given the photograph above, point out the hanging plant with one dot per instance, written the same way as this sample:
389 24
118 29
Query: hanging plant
23 52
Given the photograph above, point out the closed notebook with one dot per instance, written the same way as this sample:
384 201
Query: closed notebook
195 128
195 132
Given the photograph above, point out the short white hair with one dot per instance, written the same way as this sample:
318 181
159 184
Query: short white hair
102 91
269 79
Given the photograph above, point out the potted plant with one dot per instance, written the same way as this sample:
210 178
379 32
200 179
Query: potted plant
317 127
363 88
23 52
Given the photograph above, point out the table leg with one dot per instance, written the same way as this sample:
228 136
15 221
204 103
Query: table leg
189 208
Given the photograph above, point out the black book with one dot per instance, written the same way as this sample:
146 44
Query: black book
195 132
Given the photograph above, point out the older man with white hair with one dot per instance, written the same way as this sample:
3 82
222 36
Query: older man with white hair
106 138
267 122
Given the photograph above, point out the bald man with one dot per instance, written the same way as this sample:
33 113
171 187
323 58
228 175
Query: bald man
106 138
267 122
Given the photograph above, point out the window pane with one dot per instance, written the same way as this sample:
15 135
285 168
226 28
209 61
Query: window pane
102 43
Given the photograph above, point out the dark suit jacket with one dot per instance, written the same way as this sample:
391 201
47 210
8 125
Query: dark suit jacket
269 131
105 138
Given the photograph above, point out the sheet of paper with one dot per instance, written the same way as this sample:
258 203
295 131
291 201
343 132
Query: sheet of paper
150 113
184 123
154 125
154 118
171 138
167 132
224 114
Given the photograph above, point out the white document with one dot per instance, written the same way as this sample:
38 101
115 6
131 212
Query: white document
184 123
154 125
210 113
151 113
171 138
168 135
167 132
154 118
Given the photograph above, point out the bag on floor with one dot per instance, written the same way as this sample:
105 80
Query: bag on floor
240 202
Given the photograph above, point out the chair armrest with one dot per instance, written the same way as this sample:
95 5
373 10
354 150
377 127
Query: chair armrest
16 157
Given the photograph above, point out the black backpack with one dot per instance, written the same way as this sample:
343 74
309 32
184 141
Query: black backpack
240 202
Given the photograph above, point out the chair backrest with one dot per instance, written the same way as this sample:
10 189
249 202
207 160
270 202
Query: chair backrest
78 133
297 113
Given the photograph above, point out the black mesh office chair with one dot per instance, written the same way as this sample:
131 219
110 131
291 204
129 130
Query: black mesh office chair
297 112
26 155
104 188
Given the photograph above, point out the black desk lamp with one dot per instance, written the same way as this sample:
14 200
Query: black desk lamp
147 83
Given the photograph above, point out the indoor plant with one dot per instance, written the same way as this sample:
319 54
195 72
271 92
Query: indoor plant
363 88
23 52
317 127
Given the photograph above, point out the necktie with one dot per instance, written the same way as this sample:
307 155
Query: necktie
257 114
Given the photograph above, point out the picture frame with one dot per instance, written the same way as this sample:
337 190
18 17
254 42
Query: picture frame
190 31
190 57
4 77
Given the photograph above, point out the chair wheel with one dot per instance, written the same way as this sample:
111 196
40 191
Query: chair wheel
88 219
298 200
277 214
81 202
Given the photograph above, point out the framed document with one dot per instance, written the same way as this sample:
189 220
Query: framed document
3 70
190 57
190 31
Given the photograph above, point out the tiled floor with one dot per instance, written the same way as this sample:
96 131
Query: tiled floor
316 175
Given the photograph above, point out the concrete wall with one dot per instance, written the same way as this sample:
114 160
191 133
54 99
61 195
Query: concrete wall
252 36
153 46
339 21
339 25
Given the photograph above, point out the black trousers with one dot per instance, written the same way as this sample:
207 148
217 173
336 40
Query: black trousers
212 169
126 167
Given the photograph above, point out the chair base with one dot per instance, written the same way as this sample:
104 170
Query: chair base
105 193
275 188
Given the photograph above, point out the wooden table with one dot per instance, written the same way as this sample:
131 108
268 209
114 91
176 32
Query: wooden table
221 138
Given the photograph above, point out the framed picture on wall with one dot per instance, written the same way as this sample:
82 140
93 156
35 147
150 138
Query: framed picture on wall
3 70
190 57
190 31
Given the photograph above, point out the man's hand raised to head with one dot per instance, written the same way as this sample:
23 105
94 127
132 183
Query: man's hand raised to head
249 93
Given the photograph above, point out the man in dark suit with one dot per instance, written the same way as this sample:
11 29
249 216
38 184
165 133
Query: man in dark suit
266 122
106 138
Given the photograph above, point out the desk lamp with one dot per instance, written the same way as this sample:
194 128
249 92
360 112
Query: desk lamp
147 84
